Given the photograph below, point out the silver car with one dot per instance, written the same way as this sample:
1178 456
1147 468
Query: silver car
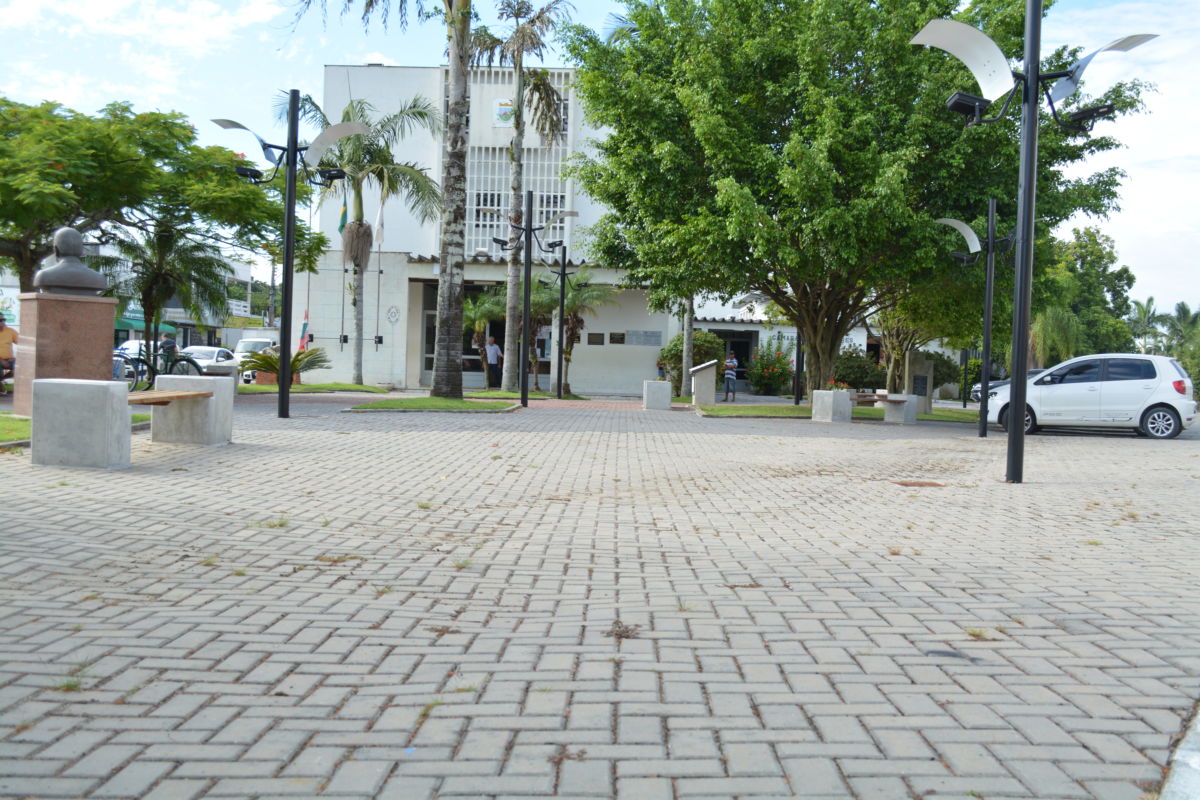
212 360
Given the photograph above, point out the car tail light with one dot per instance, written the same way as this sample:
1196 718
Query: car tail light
1180 386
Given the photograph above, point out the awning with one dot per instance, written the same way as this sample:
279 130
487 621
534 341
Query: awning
127 324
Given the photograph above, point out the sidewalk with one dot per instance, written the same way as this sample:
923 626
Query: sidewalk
593 603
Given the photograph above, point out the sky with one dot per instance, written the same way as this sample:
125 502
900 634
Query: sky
231 58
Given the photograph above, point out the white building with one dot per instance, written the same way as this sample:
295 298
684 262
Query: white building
619 347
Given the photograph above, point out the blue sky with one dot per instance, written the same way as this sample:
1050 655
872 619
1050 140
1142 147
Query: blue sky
230 58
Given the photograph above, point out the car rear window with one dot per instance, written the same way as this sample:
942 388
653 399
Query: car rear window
1179 368
1130 369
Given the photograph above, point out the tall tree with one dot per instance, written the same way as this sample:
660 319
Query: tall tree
1055 334
368 160
532 91
1145 321
801 150
1087 282
170 262
1182 326
456 15
122 169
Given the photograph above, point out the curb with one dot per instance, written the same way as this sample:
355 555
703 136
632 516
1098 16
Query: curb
508 410
1183 776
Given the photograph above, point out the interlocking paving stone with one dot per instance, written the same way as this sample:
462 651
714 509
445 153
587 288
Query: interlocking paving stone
418 608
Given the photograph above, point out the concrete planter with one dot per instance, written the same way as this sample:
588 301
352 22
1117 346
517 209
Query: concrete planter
831 406
656 395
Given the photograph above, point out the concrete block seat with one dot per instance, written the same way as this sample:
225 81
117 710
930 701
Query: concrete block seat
84 423
656 395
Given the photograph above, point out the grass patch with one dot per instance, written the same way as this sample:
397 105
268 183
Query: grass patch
497 394
434 404
15 429
805 412
254 388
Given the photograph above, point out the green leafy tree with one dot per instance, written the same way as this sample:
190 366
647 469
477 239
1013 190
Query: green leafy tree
369 161
1056 334
456 15
801 150
528 28
1181 327
856 368
118 170
706 346
1087 283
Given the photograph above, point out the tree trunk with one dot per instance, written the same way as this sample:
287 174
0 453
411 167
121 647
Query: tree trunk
28 262
516 207
689 322
447 358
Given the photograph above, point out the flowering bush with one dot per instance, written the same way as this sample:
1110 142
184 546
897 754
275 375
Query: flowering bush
837 386
770 368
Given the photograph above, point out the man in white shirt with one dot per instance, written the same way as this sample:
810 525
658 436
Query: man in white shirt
495 358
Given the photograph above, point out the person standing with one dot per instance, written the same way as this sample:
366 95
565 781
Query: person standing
731 365
495 359
167 346
8 361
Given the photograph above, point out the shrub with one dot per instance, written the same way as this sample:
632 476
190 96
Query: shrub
705 347
945 369
302 361
856 368
770 367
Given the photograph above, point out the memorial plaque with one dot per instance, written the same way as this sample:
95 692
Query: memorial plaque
921 385
616 338
595 338
644 338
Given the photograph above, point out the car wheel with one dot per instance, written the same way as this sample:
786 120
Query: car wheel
1161 422
1030 420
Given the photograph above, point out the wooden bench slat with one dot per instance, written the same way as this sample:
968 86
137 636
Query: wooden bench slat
162 397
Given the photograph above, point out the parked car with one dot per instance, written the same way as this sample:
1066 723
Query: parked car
977 392
212 360
134 348
245 348
1151 395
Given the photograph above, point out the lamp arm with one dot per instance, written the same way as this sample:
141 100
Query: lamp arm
1019 78
1066 126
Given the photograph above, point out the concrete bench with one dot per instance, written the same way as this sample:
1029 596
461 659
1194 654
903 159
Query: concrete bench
82 423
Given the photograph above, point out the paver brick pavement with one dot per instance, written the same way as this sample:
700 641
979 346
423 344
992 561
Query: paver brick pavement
586 600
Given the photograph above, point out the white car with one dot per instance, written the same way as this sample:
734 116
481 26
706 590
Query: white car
1151 395
212 360
245 348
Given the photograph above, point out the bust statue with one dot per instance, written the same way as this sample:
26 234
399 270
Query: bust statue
69 275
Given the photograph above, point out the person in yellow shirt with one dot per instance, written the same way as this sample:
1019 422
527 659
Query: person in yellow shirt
8 337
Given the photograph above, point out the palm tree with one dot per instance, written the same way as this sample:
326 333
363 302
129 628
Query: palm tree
583 297
543 302
527 37
456 14
1182 327
169 262
368 160
1144 323
1055 334
478 311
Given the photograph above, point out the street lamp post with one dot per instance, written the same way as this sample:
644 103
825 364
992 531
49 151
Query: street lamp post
988 65
292 158
528 231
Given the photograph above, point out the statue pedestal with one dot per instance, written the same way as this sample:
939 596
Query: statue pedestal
62 336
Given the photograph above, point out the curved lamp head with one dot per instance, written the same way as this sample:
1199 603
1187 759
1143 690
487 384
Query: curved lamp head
975 49
229 124
328 137
965 230
1065 87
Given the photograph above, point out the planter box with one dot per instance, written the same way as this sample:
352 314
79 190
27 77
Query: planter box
271 379
831 406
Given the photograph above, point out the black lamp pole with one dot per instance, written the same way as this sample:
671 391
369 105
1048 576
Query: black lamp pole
985 372
1026 209
289 252
562 304
525 332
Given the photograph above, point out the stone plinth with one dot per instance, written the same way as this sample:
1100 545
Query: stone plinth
656 395
62 336
902 413
831 406
80 423
704 384
918 380
201 420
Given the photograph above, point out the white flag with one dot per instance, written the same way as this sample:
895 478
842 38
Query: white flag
379 226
